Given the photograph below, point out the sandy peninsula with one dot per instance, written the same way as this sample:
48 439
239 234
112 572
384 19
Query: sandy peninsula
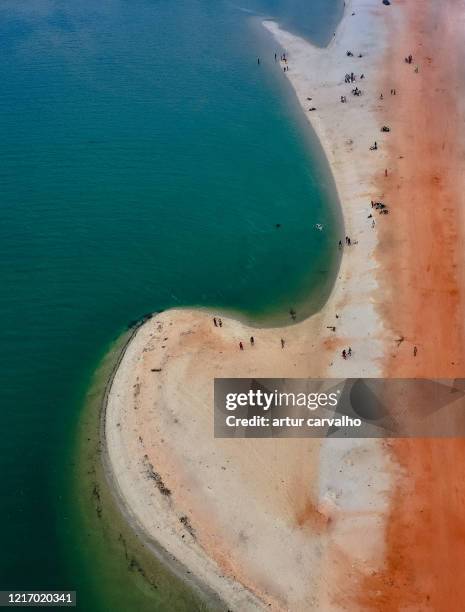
325 525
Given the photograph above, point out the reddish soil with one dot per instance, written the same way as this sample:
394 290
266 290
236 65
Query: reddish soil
422 267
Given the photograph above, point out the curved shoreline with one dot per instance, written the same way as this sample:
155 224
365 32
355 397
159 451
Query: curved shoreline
326 524
160 553
321 493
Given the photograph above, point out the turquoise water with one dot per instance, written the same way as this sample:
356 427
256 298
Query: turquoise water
146 160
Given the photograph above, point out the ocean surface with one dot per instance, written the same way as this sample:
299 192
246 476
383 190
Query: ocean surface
147 162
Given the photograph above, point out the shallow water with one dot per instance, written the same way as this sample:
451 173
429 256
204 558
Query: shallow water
146 161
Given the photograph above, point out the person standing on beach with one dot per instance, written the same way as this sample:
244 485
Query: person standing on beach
282 343
241 346
215 322
252 340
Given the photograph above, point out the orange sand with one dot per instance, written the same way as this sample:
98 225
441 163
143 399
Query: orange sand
421 253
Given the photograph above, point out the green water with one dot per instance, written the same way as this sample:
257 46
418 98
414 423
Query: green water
146 160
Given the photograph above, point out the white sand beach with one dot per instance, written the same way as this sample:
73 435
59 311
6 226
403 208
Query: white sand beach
271 524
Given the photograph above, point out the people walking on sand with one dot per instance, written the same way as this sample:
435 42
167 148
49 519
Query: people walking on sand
252 340
344 354
215 322
241 346
385 172
282 343
220 322
415 351
349 352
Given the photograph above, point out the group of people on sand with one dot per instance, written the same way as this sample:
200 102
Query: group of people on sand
351 78
217 322
252 343
381 206
348 242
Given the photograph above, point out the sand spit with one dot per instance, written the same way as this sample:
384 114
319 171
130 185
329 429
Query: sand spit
270 524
